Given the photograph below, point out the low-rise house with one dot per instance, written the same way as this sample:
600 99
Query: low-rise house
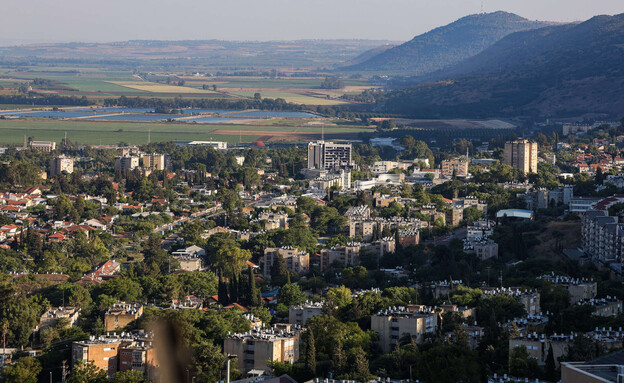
52 315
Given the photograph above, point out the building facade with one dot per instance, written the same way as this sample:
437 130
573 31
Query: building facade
455 167
394 323
329 155
121 314
126 163
254 349
61 164
297 261
522 155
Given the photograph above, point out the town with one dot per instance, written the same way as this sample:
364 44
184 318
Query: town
334 260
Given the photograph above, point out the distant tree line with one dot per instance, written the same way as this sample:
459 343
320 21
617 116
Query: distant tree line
37 99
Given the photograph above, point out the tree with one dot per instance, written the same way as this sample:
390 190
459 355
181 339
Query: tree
279 270
290 295
209 361
339 358
338 297
311 355
129 377
449 364
87 373
25 370
232 258
521 364
550 372
254 294
359 369
388 124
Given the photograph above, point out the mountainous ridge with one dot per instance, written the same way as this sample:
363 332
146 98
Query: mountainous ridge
557 70
447 45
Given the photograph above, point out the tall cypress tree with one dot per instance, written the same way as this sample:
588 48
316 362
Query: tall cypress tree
549 368
223 298
311 354
233 289
279 271
253 290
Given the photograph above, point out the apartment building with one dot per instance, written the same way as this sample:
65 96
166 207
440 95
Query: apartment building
409 237
61 164
522 155
455 167
299 315
530 299
102 352
393 323
602 236
578 288
121 314
52 315
297 261
126 163
538 344
259 346
347 255
153 161
274 220
329 155
124 352
604 307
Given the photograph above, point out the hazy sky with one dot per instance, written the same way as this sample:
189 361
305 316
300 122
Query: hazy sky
118 20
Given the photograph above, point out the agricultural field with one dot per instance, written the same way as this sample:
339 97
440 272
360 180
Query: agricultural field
89 132
97 84
159 88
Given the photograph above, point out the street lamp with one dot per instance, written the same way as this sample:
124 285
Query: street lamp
229 358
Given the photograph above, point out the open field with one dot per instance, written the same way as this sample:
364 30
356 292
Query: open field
288 96
159 88
88 132
98 84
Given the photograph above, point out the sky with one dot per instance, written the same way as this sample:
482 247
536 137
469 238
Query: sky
34 21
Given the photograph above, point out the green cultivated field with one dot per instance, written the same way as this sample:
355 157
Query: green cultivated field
12 132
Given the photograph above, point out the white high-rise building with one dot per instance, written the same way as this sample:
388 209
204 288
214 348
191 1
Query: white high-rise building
328 155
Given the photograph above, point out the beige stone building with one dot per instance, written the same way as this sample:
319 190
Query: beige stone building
103 353
455 166
300 314
61 164
392 324
297 261
125 352
257 347
121 314
153 161
522 155
50 317
126 163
